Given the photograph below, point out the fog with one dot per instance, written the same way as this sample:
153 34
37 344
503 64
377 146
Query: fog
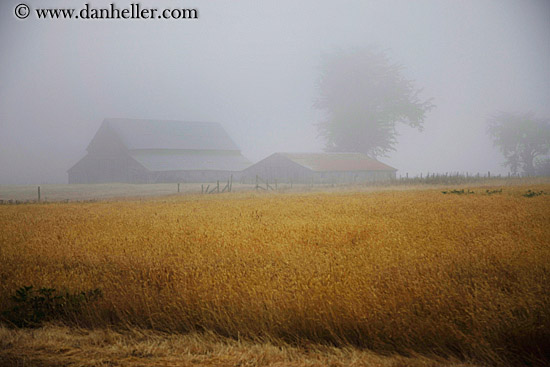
254 65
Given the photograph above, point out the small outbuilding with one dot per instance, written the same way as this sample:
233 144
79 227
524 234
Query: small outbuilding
151 151
319 168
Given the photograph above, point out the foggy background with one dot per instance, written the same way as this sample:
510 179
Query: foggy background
253 65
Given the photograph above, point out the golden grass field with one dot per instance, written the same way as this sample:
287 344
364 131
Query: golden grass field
441 278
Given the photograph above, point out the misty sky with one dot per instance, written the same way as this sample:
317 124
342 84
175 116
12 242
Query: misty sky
253 66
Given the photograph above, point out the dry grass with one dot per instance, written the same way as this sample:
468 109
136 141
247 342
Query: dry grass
455 276
60 346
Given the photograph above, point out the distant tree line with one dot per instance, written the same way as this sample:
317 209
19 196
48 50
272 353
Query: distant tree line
365 96
524 141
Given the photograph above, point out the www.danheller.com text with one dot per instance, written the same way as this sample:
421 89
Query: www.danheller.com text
112 11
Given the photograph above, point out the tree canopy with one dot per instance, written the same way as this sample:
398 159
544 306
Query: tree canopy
364 96
521 137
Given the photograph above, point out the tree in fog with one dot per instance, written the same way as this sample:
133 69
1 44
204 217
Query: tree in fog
364 96
522 138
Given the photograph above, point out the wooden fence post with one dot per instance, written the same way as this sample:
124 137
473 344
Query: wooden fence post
230 183
178 187
218 185
38 193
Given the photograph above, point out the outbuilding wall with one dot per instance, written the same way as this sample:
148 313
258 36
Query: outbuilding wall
278 167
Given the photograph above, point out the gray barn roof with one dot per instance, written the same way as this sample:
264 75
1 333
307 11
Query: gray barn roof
165 134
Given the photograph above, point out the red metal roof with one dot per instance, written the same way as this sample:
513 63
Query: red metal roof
337 162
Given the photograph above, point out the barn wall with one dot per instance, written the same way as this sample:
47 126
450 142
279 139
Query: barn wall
193 176
277 167
106 143
329 177
104 168
280 168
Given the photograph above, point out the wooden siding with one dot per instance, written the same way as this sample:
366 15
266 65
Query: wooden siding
108 168
281 168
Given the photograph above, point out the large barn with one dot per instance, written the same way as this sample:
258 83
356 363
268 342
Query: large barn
319 168
150 151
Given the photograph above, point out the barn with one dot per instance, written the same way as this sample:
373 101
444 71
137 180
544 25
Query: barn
319 168
151 151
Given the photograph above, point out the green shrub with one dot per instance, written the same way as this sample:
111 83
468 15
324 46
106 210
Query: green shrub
458 192
530 193
33 307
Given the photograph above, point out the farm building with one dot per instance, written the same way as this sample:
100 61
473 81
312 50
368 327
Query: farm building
319 168
150 151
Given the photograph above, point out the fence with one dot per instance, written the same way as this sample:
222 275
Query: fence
90 193
216 189
450 178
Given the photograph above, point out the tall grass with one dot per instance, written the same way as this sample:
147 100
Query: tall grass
396 271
